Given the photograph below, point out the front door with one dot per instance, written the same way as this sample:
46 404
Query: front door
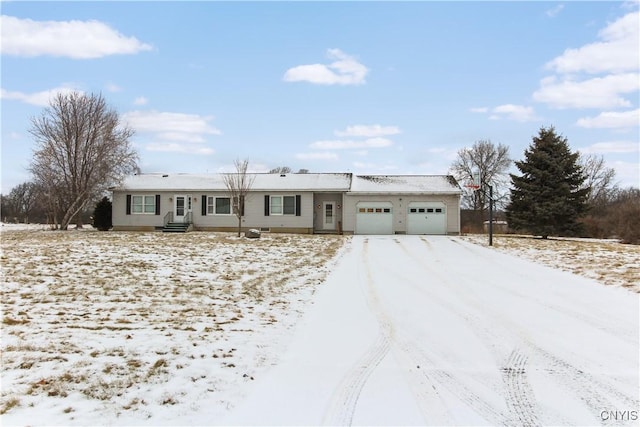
329 216
179 208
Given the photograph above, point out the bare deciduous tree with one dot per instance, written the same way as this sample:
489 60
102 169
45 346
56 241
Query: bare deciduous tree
81 150
238 185
23 200
281 169
599 179
491 162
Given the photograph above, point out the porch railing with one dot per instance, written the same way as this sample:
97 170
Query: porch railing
188 218
168 218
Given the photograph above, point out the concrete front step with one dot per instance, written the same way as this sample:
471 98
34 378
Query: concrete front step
176 227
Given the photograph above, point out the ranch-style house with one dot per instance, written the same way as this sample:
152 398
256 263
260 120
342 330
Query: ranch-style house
291 203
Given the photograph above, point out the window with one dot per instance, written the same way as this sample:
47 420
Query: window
276 205
289 205
143 204
374 210
223 206
283 205
438 210
218 206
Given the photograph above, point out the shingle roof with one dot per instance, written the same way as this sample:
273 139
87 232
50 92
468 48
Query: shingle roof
407 184
379 184
263 181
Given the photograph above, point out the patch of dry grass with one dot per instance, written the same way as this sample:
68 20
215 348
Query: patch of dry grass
608 262
109 314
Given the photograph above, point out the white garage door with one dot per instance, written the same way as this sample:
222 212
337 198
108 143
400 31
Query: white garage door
426 218
374 218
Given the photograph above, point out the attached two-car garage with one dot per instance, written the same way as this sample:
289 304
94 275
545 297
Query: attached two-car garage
421 218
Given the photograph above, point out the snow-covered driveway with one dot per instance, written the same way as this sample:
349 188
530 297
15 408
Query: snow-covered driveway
415 330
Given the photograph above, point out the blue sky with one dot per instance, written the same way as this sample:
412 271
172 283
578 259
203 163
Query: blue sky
364 87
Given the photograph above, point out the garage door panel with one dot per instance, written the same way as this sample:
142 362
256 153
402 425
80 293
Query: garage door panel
426 218
374 218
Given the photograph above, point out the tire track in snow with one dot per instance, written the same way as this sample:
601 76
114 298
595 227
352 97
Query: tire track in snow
595 321
519 393
344 401
588 388
491 341
521 402
592 391
425 391
454 385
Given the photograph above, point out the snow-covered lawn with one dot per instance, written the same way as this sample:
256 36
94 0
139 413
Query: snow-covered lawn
104 328
606 261
205 328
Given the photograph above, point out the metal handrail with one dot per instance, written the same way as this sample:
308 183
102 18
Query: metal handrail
168 218
188 218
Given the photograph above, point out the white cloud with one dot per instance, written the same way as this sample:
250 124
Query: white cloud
479 110
627 173
345 70
599 92
112 87
176 127
324 155
141 100
71 39
373 167
554 11
618 51
519 113
40 99
368 131
179 148
350 144
612 119
612 147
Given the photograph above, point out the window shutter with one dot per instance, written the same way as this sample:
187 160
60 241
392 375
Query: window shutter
157 204
298 204
204 205
241 205
128 204
266 205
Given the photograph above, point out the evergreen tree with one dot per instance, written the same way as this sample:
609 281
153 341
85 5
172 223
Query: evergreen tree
549 197
102 215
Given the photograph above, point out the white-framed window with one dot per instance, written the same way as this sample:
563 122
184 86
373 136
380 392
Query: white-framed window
283 205
143 204
218 206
